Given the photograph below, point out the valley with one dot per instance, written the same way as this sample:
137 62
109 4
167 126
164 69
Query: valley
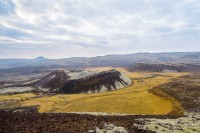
134 99
154 100
99 66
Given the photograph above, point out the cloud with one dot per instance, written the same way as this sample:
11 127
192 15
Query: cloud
6 7
97 27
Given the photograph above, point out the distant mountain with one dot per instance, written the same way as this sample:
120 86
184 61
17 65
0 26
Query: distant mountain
41 58
108 60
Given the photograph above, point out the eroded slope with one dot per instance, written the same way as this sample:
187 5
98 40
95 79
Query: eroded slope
80 81
185 89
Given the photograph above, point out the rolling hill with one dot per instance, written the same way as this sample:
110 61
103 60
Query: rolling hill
108 60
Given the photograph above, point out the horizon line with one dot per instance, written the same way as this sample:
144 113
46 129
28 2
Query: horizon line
103 55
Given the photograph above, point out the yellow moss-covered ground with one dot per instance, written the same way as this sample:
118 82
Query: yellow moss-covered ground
131 100
17 97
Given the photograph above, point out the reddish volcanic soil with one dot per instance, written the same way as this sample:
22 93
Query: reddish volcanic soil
63 122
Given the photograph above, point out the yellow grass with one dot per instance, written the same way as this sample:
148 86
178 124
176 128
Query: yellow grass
121 69
17 97
98 68
135 99
132 100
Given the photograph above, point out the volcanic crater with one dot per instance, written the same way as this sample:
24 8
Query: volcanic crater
82 81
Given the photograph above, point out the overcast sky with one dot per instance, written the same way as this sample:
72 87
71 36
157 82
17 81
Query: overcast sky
66 28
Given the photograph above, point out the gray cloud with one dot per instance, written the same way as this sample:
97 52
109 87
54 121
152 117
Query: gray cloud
97 27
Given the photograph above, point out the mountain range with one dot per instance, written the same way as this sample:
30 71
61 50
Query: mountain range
108 60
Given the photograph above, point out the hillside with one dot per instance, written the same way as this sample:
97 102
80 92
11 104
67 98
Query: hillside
99 82
54 79
185 89
163 67
108 60
81 81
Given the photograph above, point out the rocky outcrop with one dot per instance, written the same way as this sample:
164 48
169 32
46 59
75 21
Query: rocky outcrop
99 82
109 128
186 124
53 80
81 81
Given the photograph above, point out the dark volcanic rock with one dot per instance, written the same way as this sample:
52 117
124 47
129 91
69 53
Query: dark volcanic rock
79 81
20 122
53 80
103 81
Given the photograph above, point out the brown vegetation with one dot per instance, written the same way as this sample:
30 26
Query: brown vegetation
159 67
185 89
